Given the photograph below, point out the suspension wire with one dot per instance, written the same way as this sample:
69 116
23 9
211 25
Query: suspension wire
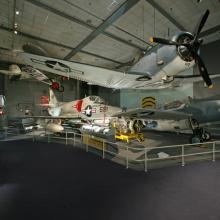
154 23
13 23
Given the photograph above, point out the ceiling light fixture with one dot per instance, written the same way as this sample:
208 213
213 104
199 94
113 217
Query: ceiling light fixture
15 25
15 32
17 12
199 1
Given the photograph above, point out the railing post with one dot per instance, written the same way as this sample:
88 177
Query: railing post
127 157
6 133
213 152
33 138
87 143
145 160
48 138
66 138
103 149
183 158
74 137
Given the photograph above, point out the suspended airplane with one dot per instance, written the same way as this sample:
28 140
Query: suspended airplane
16 73
162 67
26 72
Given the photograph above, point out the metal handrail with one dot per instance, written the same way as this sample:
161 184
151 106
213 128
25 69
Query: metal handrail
128 149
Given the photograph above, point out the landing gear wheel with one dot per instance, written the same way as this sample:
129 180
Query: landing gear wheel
206 136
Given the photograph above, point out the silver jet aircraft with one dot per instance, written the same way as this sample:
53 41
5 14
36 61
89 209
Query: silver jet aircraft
90 110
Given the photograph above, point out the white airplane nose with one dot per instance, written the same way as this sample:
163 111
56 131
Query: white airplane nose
55 128
15 69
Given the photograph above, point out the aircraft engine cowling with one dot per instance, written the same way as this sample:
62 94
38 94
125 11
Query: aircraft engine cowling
188 45
55 128
55 111
184 52
128 125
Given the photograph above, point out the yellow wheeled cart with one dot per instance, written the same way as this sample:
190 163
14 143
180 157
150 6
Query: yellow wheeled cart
129 136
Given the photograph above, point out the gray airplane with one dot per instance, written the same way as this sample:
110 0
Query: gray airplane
194 115
162 67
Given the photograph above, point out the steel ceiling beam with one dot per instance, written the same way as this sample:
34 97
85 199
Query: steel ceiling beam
83 23
165 14
58 44
103 26
210 31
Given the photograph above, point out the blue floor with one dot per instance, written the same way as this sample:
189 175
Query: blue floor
49 181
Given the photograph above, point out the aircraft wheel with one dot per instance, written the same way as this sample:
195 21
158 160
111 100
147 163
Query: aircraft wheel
206 136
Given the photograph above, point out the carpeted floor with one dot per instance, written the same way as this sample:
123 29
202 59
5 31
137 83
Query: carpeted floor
49 181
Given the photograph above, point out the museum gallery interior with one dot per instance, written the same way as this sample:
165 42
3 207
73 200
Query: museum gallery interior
109 109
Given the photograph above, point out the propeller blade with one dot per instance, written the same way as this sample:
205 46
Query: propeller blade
201 24
162 41
203 71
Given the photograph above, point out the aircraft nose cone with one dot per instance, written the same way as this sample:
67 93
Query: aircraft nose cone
55 128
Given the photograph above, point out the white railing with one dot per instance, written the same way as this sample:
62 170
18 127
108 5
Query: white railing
124 152
130 154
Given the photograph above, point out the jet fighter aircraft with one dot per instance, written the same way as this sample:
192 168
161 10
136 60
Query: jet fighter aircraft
90 110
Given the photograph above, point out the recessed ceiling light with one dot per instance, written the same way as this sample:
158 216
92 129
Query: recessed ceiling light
15 25
17 12
15 32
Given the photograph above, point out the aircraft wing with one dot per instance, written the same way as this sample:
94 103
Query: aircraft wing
95 75
194 78
187 76
50 117
88 73
26 72
31 72
142 113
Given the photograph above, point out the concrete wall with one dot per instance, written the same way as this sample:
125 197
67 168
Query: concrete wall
210 54
112 97
24 94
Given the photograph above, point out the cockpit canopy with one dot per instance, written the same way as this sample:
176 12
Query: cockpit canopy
2 101
97 99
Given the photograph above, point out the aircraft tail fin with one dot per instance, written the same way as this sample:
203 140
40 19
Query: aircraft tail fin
52 99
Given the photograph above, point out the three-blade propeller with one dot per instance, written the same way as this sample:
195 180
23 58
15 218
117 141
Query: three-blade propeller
193 46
